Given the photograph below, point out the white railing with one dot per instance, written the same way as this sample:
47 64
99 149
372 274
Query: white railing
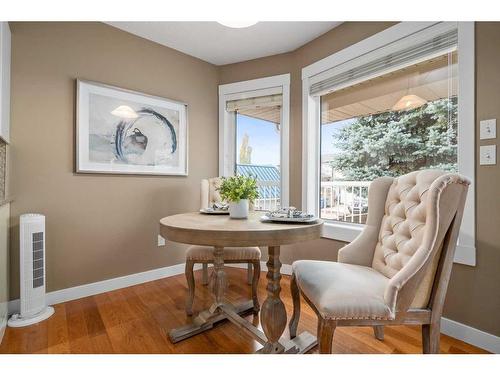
272 188
344 200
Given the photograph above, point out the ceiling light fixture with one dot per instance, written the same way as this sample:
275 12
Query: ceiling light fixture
237 24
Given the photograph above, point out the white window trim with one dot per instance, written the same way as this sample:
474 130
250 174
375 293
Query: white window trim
279 84
466 251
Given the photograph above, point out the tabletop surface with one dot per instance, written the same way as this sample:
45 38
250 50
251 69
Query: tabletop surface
220 230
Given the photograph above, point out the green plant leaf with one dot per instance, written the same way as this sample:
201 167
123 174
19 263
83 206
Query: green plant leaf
234 188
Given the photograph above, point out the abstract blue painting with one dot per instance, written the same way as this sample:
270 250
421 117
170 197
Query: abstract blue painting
123 131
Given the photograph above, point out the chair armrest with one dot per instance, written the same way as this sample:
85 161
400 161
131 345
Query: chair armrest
360 251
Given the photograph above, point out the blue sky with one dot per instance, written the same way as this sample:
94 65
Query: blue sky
327 133
263 138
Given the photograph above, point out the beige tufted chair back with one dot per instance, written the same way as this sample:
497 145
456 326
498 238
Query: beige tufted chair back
403 224
209 194
408 220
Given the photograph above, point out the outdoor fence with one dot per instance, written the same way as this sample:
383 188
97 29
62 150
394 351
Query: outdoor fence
344 200
339 200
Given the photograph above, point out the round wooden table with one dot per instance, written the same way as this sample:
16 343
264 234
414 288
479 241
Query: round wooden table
220 231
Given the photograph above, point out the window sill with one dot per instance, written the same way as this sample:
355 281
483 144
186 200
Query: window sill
338 231
465 255
347 232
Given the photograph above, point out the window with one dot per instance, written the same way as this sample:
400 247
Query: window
258 153
399 101
253 125
390 125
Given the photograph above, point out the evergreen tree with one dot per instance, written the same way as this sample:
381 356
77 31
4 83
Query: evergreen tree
399 142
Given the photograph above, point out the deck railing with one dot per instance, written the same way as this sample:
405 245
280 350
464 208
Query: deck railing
269 192
344 200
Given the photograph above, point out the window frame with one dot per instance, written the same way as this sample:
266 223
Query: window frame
412 32
279 84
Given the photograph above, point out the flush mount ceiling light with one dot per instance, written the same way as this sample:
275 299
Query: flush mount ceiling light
124 111
408 102
237 24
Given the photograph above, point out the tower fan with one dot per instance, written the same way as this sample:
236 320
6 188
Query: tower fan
34 308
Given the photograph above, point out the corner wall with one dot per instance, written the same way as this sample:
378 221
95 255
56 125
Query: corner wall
99 226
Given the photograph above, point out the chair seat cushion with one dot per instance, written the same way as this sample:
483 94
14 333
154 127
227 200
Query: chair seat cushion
343 291
206 253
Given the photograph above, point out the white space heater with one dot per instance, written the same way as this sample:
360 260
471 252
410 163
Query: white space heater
32 267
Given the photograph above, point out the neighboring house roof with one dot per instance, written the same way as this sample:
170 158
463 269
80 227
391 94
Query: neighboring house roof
266 174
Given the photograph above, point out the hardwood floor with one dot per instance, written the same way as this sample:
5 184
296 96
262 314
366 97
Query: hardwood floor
137 319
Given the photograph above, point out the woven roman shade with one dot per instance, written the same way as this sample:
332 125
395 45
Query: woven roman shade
343 76
252 103
267 108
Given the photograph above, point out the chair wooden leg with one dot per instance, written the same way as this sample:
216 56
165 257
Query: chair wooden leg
326 329
190 281
378 331
294 321
249 273
255 285
204 276
430 338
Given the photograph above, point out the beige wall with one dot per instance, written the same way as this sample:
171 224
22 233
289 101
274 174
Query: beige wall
4 265
99 226
473 296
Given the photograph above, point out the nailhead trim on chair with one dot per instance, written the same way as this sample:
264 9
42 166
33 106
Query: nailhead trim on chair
359 318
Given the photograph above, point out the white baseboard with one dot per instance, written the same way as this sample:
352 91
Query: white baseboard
473 336
3 318
465 255
86 290
449 327
3 326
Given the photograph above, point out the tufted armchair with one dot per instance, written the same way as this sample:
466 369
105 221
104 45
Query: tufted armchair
205 255
397 270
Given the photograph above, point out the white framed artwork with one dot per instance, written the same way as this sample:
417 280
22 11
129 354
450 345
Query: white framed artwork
127 132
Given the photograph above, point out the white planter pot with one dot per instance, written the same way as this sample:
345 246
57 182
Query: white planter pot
238 210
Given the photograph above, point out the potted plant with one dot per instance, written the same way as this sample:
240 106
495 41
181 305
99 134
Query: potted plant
237 191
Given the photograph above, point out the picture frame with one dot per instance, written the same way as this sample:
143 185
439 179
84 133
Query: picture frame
120 131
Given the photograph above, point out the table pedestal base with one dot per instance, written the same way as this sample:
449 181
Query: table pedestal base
300 344
272 315
205 321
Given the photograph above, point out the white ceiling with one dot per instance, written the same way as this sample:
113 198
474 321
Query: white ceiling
219 45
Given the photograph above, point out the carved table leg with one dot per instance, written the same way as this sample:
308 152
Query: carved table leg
273 313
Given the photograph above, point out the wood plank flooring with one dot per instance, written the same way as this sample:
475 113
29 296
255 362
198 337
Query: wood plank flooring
137 319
